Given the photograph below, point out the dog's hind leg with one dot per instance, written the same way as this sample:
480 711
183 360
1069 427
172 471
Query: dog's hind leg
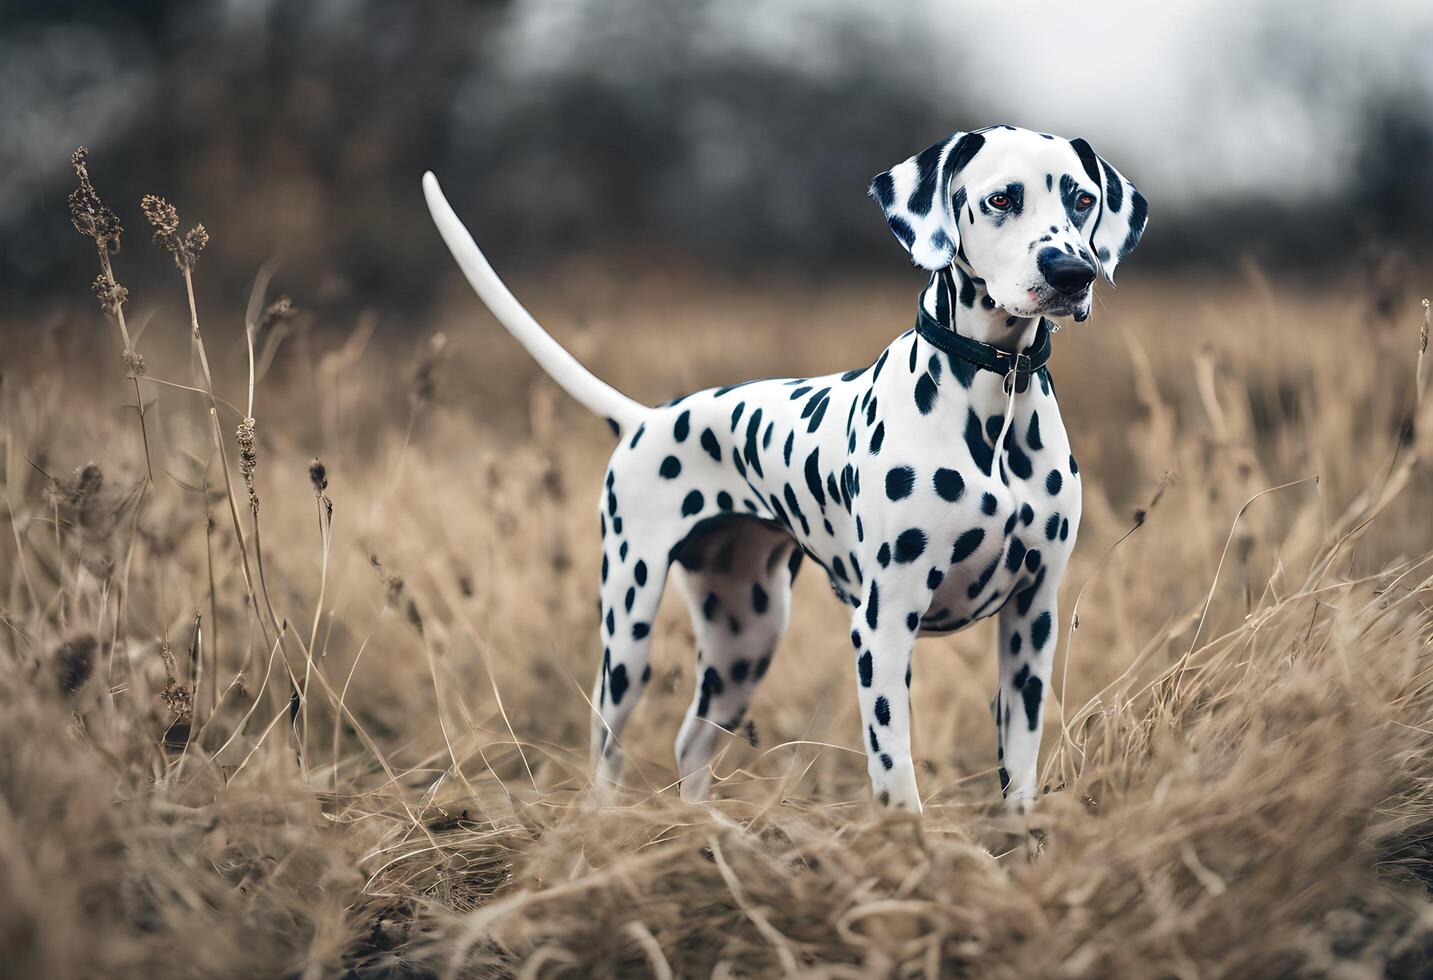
738 584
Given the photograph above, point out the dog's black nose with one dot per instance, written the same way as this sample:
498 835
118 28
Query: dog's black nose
1068 274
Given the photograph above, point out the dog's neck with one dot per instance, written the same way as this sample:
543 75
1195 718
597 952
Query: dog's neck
957 300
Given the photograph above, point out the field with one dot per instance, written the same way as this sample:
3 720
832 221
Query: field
267 720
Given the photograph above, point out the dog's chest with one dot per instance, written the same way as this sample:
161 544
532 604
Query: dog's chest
998 520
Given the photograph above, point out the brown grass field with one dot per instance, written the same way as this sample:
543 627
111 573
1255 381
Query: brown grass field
293 741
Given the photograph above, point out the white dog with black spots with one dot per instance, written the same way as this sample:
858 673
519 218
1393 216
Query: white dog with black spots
935 487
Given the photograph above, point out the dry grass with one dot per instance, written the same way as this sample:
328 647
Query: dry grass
268 721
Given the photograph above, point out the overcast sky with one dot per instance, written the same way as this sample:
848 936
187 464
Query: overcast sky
1201 97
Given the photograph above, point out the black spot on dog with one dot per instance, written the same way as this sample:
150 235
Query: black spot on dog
1138 215
1010 523
902 229
839 568
692 503
856 639
813 478
980 452
1004 782
913 622
888 763
1015 643
637 436
795 507
927 169
640 630
1021 676
1015 555
884 189
949 485
760 601
900 480
622 551
966 544
910 545
1026 597
724 500
790 445
710 605
733 624
1064 529
1032 434
875 742
933 580
617 682
1032 559
1114 189
616 429
883 710
740 669
1052 527
736 414
683 427
639 572
865 667
712 686
671 468
1027 514
762 666
988 503
883 556
963 152
967 289
878 438
710 444
604 567
1040 630
1053 482
1074 467
631 597
1031 694
873 606
925 394
611 622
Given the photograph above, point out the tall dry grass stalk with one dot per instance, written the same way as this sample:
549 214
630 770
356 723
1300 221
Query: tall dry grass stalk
237 748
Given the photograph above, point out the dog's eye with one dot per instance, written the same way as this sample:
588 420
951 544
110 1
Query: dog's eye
999 202
1084 202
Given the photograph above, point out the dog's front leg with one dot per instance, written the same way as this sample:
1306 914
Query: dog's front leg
883 631
1028 626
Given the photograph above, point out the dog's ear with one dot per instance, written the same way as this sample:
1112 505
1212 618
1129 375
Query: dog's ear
1123 211
916 198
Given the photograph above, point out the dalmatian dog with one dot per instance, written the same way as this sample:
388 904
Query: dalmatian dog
935 487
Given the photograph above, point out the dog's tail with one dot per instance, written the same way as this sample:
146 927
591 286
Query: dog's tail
621 412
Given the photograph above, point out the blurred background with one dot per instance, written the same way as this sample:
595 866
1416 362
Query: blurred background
694 136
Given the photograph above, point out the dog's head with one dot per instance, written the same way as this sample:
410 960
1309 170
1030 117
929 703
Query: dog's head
1032 215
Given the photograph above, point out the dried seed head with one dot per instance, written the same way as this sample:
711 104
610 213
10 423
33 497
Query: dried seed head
163 217
112 295
317 475
275 313
397 598
88 213
248 459
75 663
424 387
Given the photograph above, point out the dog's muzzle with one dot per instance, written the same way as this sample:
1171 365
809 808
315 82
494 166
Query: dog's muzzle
1067 275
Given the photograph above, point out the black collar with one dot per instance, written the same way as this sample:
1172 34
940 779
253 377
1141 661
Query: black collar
988 356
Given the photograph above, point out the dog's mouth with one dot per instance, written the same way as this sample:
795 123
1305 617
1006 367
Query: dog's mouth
1048 302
